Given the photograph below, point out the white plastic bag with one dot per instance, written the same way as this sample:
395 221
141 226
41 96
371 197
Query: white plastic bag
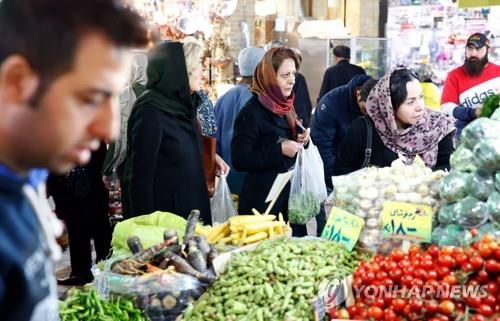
308 189
314 162
221 204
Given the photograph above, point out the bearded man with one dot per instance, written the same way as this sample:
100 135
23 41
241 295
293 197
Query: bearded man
467 86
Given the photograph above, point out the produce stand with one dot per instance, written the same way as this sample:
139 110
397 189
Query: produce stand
430 240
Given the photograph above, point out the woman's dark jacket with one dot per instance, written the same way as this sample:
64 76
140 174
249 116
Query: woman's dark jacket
82 186
164 147
351 151
256 149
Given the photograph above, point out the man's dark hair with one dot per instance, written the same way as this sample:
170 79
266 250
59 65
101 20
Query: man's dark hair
398 81
342 52
366 89
47 32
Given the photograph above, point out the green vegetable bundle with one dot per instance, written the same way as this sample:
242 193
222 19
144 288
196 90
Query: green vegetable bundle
490 104
454 186
488 154
276 281
302 208
480 184
471 212
477 131
451 234
87 305
494 206
463 159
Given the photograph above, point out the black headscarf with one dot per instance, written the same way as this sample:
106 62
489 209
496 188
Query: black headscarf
168 82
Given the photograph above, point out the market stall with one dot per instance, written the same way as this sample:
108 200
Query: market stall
401 243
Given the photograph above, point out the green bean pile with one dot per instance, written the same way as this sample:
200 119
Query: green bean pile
87 305
277 281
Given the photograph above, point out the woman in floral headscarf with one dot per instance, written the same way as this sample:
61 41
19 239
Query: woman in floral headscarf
401 127
266 136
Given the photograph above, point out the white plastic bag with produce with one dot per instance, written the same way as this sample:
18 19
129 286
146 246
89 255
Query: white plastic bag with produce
307 190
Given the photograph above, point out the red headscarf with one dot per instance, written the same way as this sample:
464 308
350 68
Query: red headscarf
266 87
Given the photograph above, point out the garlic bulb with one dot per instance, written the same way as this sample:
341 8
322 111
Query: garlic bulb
368 192
414 198
366 205
390 190
423 190
400 197
373 213
360 213
372 223
403 187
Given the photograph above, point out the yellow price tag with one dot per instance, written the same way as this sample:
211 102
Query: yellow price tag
477 3
407 221
343 227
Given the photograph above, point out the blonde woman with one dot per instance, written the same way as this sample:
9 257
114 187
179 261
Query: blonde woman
114 164
163 140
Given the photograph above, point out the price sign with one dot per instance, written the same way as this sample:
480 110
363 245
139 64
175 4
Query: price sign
407 221
477 3
278 185
343 227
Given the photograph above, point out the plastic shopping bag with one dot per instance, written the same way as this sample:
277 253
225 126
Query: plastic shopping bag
308 189
162 296
314 162
149 228
221 204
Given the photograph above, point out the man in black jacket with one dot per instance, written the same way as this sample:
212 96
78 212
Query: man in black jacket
340 73
302 104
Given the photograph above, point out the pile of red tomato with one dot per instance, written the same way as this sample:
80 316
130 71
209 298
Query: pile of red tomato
436 267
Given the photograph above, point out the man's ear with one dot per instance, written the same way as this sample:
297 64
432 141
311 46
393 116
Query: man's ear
358 94
18 81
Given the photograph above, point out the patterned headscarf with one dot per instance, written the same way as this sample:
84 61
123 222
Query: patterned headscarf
420 139
266 87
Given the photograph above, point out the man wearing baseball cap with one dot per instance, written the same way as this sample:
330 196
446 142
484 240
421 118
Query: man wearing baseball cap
467 86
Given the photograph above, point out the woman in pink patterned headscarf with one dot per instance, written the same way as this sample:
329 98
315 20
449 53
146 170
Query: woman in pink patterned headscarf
400 126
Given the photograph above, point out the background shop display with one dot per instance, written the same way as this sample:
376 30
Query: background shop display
370 53
435 32
204 19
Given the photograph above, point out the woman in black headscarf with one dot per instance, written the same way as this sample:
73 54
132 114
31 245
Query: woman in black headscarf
164 146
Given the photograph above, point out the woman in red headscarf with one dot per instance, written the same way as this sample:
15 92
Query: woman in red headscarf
266 135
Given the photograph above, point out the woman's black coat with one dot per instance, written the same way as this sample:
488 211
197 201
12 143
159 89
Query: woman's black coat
256 149
164 150
167 172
